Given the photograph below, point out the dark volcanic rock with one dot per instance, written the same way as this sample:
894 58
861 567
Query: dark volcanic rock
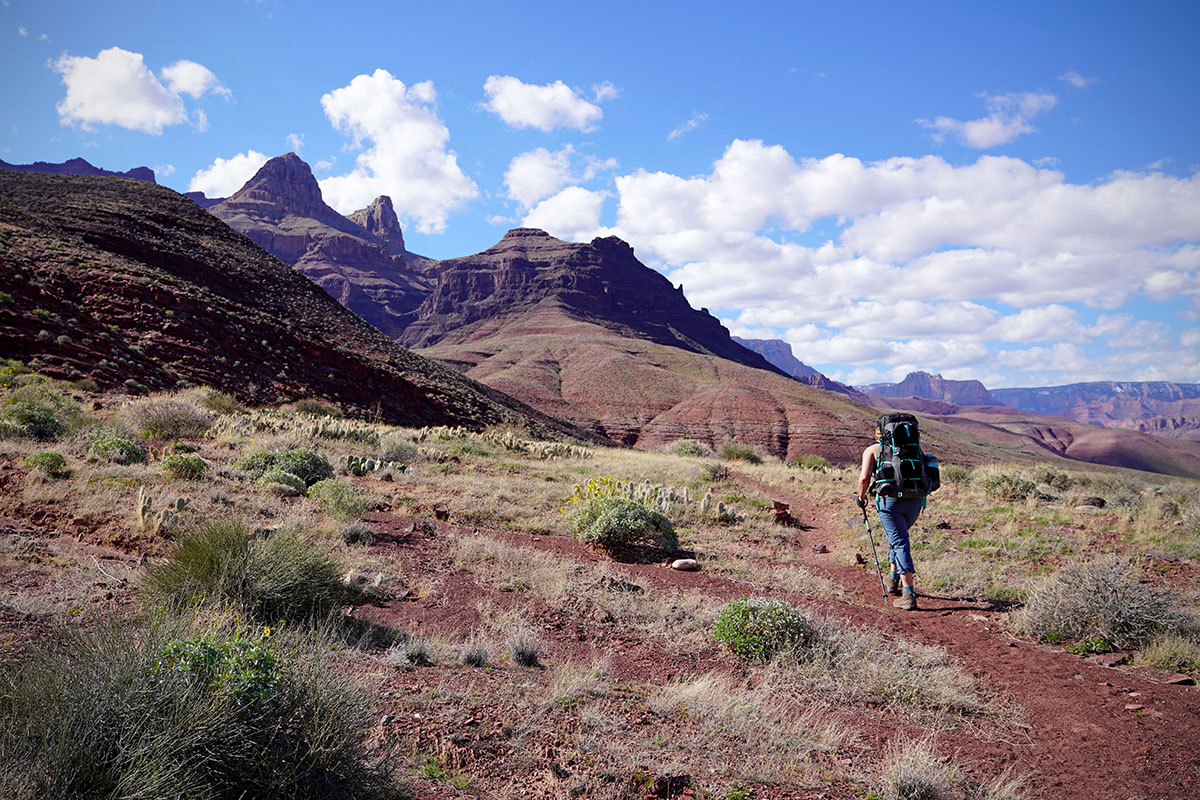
601 282
934 387
78 166
126 282
282 211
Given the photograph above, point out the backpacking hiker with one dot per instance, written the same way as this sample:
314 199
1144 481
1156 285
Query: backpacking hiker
900 475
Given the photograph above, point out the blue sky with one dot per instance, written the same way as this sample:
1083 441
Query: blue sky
1001 191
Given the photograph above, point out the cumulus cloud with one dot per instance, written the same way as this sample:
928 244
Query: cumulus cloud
695 122
404 151
1009 116
296 142
915 262
117 88
573 214
1075 79
539 173
545 107
226 175
164 170
604 91
22 32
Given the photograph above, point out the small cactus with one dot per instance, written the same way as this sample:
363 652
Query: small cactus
153 521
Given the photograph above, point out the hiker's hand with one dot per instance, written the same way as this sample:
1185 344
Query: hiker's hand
858 501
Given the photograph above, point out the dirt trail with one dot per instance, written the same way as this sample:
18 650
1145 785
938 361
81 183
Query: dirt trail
1082 730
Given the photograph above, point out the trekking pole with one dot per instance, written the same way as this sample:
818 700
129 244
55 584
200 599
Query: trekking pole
871 539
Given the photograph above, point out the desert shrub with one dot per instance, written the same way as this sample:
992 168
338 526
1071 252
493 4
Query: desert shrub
36 409
418 651
1057 479
955 473
691 447
280 577
759 628
306 465
282 482
714 473
613 522
184 467
475 653
85 385
1100 606
395 448
914 771
312 407
168 418
342 499
1003 483
524 647
114 448
809 461
50 462
736 451
357 533
185 709
1172 651
220 402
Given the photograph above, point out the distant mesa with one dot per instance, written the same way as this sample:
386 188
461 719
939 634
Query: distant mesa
78 166
200 199
779 353
934 387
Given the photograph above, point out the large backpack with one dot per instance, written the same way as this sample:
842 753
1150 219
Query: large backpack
902 469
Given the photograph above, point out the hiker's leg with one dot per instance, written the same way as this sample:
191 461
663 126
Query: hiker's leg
895 526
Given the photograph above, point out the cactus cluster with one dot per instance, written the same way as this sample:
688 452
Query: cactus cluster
660 498
255 423
361 465
153 521
506 439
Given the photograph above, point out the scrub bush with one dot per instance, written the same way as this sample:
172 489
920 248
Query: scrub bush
342 500
760 628
50 462
184 467
168 418
114 448
306 465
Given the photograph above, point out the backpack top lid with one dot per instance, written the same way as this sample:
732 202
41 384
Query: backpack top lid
899 426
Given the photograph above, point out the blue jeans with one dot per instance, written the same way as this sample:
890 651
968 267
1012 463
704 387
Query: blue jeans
897 516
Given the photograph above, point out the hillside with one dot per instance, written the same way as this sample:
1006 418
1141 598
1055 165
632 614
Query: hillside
126 282
79 166
368 271
1158 407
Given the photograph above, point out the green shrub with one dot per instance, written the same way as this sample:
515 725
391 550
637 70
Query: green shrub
185 709
955 473
36 409
115 448
1003 483
220 402
50 462
184 467
280 577
1102 606
759 628
714 473
168 418
282 482
736 451
342 499
1057 479
310 467
612 522
316 408
691 447
395 448
810 461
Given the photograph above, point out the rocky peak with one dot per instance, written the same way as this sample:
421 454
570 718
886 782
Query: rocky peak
934 387
380 219
287 182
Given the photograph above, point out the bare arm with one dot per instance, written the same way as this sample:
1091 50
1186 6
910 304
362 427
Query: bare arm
868 469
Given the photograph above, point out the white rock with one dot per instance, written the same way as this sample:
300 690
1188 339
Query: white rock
685 564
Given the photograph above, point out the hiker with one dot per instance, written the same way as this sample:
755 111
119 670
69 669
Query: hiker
898 501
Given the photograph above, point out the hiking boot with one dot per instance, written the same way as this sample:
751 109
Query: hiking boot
907 602
893 585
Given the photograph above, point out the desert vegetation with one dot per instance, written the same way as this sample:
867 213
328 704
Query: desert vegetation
307 604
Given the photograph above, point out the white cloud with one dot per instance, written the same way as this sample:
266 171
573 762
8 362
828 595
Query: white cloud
545 107
295 141
22 32
538 174
880 265
404 151
324 165
604 91
116 88
226 175
695 122
1009 118
1075 79
164 170
188 77
572 215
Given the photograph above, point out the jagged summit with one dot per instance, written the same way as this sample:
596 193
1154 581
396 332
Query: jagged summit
380 219
287 184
